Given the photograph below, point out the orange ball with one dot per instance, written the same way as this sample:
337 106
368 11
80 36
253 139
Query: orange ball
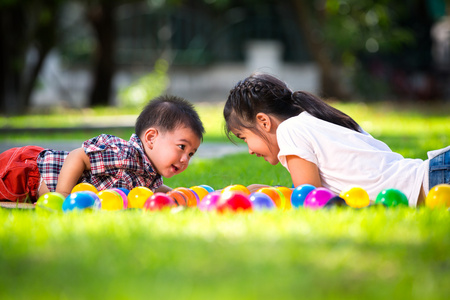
178 197
287 192
189 195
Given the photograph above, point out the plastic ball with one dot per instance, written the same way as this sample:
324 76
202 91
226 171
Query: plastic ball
438 196
84 186
200 191
209 202
178 197
261 201
125 191
111 200
274 194
190 195
236 188
159 201
287 193
391 198
123 195
78 201
355 197
318 198
234 201
336 201
299 194
207 187
138 196
50 203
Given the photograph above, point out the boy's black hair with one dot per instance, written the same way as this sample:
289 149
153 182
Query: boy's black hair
168 113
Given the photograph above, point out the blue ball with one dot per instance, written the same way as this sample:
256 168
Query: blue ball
299 194
125 191
261 201
78 200
207 187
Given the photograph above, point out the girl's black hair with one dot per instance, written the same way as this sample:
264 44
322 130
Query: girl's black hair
168 113
267 94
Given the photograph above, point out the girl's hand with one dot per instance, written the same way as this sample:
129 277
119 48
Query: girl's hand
303 171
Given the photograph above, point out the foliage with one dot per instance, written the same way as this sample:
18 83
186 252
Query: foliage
147 87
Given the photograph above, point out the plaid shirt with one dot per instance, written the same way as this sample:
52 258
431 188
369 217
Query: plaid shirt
114 163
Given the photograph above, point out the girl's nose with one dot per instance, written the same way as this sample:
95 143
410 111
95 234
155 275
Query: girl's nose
250 151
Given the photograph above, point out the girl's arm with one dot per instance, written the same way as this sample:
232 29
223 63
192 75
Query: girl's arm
303 171
75 164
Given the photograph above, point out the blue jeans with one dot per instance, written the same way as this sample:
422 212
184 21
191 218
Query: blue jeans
439 171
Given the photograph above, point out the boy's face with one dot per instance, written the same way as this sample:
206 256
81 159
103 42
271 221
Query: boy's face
170 151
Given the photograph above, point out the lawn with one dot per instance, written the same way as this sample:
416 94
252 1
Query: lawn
372 253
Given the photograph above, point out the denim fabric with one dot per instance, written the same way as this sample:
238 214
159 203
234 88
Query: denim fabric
439 170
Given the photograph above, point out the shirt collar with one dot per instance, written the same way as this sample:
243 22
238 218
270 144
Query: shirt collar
136 142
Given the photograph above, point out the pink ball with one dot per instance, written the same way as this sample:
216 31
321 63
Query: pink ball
318 197
209 202
234 201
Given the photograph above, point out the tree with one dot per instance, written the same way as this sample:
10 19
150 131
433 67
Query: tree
24 25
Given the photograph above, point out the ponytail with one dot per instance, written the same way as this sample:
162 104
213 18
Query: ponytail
267 94
321 110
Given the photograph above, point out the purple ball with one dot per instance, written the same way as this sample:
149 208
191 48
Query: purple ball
261 201
318 198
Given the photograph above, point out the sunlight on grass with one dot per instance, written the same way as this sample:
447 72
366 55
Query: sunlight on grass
351 254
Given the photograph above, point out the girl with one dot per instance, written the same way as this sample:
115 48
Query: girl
321 145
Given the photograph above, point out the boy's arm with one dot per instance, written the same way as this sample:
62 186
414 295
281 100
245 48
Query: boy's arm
74 165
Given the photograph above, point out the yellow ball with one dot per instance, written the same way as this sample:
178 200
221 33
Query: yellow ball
200 191
237 188
84 186
439 196
110 200
355 197
138 196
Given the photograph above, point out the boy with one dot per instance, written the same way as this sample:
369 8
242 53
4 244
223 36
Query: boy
167 134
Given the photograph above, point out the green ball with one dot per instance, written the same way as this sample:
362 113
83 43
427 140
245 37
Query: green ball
391 198
50 203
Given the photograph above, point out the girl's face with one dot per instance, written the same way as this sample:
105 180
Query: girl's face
265 146
170 152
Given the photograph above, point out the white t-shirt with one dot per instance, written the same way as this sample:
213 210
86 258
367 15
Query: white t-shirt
349 158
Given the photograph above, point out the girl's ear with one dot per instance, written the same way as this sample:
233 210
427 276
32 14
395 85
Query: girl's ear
264 121
150 137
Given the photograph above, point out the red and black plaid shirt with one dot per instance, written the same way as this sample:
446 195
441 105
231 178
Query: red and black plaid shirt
114 163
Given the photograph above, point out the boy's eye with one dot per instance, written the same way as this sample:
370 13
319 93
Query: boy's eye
182 147
191 154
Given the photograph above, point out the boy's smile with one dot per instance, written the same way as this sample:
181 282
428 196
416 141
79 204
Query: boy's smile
171 151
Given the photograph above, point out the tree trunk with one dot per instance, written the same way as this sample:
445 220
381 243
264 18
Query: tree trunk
331 86
101 17
12 59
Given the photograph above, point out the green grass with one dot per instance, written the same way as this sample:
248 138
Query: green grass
372 253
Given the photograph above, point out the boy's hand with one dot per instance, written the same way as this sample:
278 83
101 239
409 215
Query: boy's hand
75 164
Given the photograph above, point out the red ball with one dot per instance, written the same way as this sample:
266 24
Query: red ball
234 201
159 201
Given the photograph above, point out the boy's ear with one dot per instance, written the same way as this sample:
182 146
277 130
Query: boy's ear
150 136
264 121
